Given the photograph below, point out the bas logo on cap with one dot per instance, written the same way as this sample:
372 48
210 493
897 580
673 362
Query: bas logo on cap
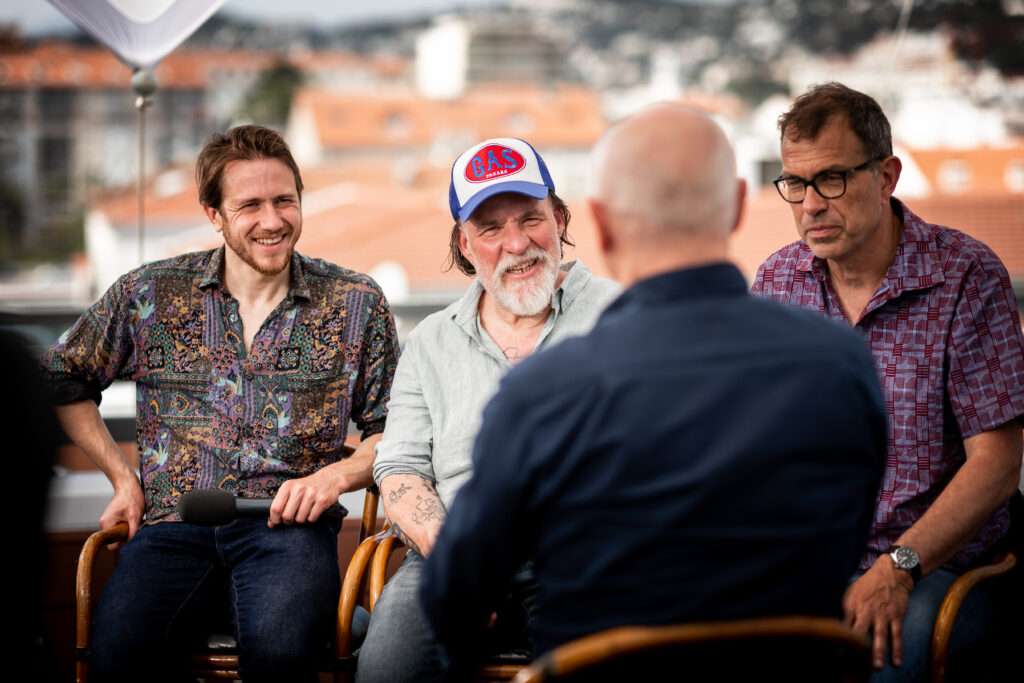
492 162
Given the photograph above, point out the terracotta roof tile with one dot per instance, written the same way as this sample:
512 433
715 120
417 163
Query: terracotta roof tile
62 64
377 220
558 117
978 171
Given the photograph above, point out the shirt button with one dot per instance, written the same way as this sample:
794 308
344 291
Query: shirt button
233 317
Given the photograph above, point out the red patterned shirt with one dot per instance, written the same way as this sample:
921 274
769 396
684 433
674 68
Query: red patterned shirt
946 337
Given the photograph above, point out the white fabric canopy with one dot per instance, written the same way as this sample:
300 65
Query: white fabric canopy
140 32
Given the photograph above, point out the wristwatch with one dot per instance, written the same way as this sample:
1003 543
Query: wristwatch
907 559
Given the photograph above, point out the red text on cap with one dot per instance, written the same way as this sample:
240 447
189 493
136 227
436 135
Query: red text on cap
493 161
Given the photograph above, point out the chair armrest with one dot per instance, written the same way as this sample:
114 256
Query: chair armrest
83 588
371 501
351 591
950 607
389 543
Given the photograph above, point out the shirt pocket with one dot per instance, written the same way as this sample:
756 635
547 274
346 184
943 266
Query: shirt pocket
314 411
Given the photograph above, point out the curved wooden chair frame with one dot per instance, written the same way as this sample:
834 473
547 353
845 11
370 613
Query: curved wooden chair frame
586 655
950 608
364 582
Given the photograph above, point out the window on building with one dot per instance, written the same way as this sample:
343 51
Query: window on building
954 176
11 107
54 170
56 106
519 123
1014 176
397 125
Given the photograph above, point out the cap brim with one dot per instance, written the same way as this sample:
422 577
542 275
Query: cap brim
534 190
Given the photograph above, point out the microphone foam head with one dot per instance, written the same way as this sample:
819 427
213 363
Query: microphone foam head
207 507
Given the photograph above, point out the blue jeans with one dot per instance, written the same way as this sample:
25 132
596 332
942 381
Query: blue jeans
974 626
400 644
277 589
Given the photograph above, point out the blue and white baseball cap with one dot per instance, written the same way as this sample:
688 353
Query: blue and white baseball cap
495 166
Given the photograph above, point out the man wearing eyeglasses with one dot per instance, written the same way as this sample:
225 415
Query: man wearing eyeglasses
940 316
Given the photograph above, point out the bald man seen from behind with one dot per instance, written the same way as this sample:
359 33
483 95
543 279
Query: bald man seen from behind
700 455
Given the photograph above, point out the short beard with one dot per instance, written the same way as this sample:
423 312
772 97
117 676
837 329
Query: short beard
529 298
245 255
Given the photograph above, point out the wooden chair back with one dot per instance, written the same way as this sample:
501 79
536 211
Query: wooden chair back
794 648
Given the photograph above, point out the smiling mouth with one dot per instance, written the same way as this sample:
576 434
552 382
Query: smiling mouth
269 241
521 268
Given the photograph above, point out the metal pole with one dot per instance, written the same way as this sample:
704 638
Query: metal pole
141 191
144 85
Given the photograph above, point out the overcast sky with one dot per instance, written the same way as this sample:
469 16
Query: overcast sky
38 16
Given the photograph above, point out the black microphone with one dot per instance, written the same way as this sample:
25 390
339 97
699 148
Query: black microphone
213 507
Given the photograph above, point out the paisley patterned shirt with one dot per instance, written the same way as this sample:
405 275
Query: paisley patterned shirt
209 413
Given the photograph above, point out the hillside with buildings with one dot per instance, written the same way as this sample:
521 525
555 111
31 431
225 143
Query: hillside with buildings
375 113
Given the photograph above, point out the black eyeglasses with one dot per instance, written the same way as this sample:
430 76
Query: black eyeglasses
829 184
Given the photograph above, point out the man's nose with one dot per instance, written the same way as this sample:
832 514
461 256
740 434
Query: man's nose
813 202
516 241
270 215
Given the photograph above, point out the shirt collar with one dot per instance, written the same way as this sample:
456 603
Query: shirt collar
917 264
297 285
576 279
699 282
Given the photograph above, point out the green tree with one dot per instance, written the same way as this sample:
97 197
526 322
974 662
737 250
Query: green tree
269 100
981 30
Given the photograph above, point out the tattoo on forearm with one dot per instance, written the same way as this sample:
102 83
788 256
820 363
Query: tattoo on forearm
405 538
427 510
396 494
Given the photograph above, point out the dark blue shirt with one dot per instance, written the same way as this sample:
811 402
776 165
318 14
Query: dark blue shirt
700 455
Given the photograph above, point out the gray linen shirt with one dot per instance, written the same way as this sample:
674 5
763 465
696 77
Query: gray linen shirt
451 367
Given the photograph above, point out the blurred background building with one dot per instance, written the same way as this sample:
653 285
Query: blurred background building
377 106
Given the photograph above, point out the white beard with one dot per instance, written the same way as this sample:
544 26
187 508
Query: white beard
530 297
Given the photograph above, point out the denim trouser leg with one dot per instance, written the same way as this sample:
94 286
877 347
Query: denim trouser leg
284 586
173 580
975 615
400 644
164 586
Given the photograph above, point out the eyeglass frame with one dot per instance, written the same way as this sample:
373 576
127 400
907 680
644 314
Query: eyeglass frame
813 182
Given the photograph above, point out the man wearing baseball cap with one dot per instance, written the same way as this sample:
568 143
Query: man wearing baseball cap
509 231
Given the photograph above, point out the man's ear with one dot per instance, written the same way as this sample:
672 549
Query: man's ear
605 239
741 204
607 242
214 217
890 171
464 243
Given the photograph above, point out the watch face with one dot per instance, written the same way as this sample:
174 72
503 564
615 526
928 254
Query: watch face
905 558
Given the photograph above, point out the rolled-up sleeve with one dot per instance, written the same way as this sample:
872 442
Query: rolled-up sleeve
407 444
99 347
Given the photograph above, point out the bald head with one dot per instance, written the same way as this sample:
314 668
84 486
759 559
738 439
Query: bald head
667 172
